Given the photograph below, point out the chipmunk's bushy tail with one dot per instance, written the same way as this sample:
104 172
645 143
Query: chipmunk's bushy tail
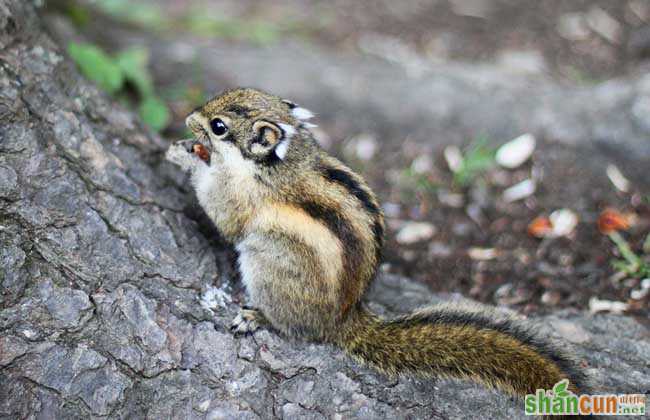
465 344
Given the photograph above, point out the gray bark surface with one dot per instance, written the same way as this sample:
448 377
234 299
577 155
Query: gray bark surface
109 305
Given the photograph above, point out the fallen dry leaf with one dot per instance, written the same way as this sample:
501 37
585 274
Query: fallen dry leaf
611 220
561 222
540 227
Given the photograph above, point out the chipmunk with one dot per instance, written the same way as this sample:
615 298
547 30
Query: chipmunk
309 233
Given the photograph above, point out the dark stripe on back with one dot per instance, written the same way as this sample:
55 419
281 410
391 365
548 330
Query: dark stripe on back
524 334
378 233
343 178
352 185
352 254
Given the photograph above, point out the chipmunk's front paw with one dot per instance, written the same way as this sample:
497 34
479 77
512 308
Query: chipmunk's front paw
247 321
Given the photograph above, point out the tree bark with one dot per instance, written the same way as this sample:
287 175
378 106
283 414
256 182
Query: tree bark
111 299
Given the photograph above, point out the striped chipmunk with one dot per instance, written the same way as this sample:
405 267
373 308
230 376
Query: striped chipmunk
309 233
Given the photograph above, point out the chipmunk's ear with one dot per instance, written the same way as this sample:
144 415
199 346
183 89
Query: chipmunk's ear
300 113
271 138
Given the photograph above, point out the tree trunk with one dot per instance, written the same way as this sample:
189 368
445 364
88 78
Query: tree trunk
112 303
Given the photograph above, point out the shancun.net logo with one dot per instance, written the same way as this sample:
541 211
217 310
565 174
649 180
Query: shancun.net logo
561 401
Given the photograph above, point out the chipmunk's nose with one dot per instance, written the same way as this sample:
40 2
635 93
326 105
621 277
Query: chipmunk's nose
186 144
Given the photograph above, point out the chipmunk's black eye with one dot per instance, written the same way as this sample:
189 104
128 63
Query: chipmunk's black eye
218 127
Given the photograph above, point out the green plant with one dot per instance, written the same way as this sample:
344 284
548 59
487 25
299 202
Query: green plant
113 74
147 14
418 182
478 158
151 15
78 15
260 32
97 66
631 264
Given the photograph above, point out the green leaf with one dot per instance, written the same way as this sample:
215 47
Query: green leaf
147 14
133 63
263 33
78 15
154 113
97 66
560 388
478 159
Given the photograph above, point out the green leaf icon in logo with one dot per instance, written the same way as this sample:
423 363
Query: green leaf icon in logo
560 389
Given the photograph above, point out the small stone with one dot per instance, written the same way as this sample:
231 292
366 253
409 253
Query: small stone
551 297
450 199
483 254
563 222
639 294
604 24
618 179
454 158
519 191
514 153
364 146
598 305
475 212
413 232
573 26
439 249
422 164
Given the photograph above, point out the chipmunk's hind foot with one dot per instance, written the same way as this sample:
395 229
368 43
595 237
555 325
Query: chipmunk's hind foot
247 321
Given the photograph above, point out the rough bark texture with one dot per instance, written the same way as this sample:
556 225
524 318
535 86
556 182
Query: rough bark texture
108 297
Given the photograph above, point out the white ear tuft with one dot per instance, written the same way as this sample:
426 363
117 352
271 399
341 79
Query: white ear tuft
282 148
302 113
289 131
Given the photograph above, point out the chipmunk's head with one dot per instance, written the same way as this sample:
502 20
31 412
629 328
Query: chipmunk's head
243 124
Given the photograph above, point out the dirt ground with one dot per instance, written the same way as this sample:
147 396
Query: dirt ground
580 41
573 42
